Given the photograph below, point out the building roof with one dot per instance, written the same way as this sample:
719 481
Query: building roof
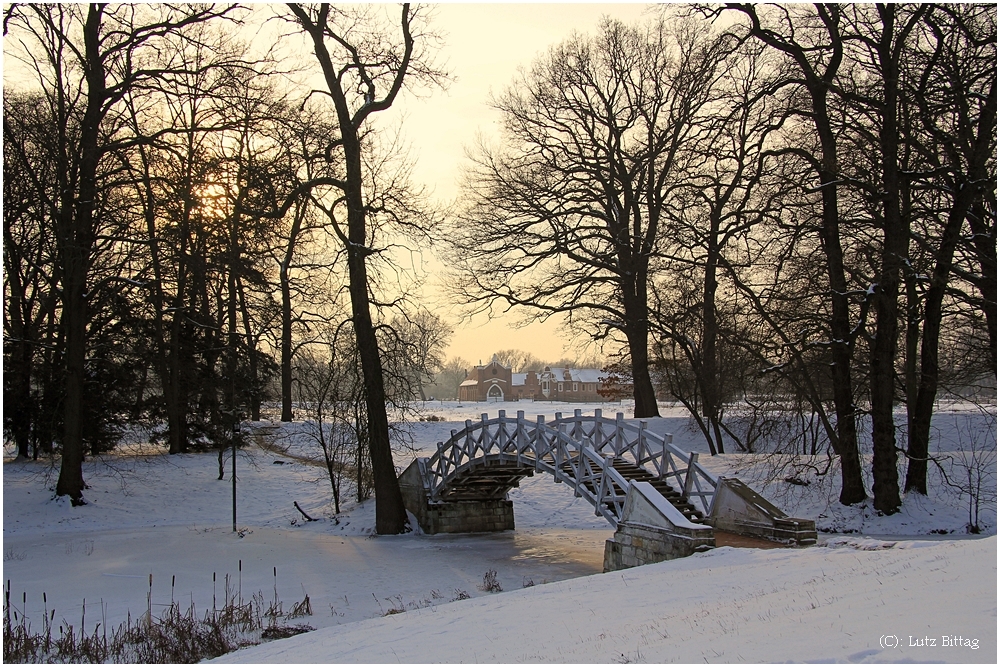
587 374
576 374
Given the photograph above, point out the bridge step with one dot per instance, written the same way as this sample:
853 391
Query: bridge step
632 472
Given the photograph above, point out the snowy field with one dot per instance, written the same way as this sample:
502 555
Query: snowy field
861 597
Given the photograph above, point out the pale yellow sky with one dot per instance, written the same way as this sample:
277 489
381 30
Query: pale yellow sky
484 46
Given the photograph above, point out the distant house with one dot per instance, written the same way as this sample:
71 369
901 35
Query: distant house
492 382
495 382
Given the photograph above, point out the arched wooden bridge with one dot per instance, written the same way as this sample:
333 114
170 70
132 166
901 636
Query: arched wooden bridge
597 456
661 501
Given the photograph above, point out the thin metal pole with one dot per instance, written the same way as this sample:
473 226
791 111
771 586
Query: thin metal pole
235 430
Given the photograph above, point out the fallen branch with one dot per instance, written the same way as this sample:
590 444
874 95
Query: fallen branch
308 518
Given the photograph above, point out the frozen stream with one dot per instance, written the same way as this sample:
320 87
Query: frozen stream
169 517
347 578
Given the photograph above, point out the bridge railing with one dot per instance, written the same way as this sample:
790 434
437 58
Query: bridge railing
575 450
647 450
517 440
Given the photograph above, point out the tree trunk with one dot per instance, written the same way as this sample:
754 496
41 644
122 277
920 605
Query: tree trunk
52 353
286 346
708 374
911 380
882 368
636 311
286 317
390 513
984 238
919 445
846 444
18 372
76 241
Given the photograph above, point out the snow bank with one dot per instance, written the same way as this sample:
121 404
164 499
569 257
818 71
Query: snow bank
729 605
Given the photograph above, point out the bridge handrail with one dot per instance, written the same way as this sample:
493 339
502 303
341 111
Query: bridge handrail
689 479
566 439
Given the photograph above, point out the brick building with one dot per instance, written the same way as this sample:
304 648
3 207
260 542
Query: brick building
496 382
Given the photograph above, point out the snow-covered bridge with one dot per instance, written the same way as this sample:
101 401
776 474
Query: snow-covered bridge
628 473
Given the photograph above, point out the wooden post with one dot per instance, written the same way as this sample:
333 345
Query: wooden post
608 462
483 436
640 444
619 432
578 469
539 435
520 437
557 455
689 476
501 438
469 445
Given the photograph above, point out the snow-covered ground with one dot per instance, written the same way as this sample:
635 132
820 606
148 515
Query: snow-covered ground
169 517
729 605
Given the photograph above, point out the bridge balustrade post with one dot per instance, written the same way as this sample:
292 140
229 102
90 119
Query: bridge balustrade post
560 453
597 434
578 468
501 438
425 475
441 458
540 434
665 459
520 437
469 445
689 476
640 445
619 441
609 462
484 433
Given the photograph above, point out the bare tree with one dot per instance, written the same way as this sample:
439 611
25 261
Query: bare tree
813 41
953 87
325 390
519 361
30 287
84 59
423 337
453 372
736 184
566 216
365 66
303 251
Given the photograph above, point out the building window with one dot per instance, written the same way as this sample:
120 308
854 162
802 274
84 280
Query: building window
576 387
560 386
